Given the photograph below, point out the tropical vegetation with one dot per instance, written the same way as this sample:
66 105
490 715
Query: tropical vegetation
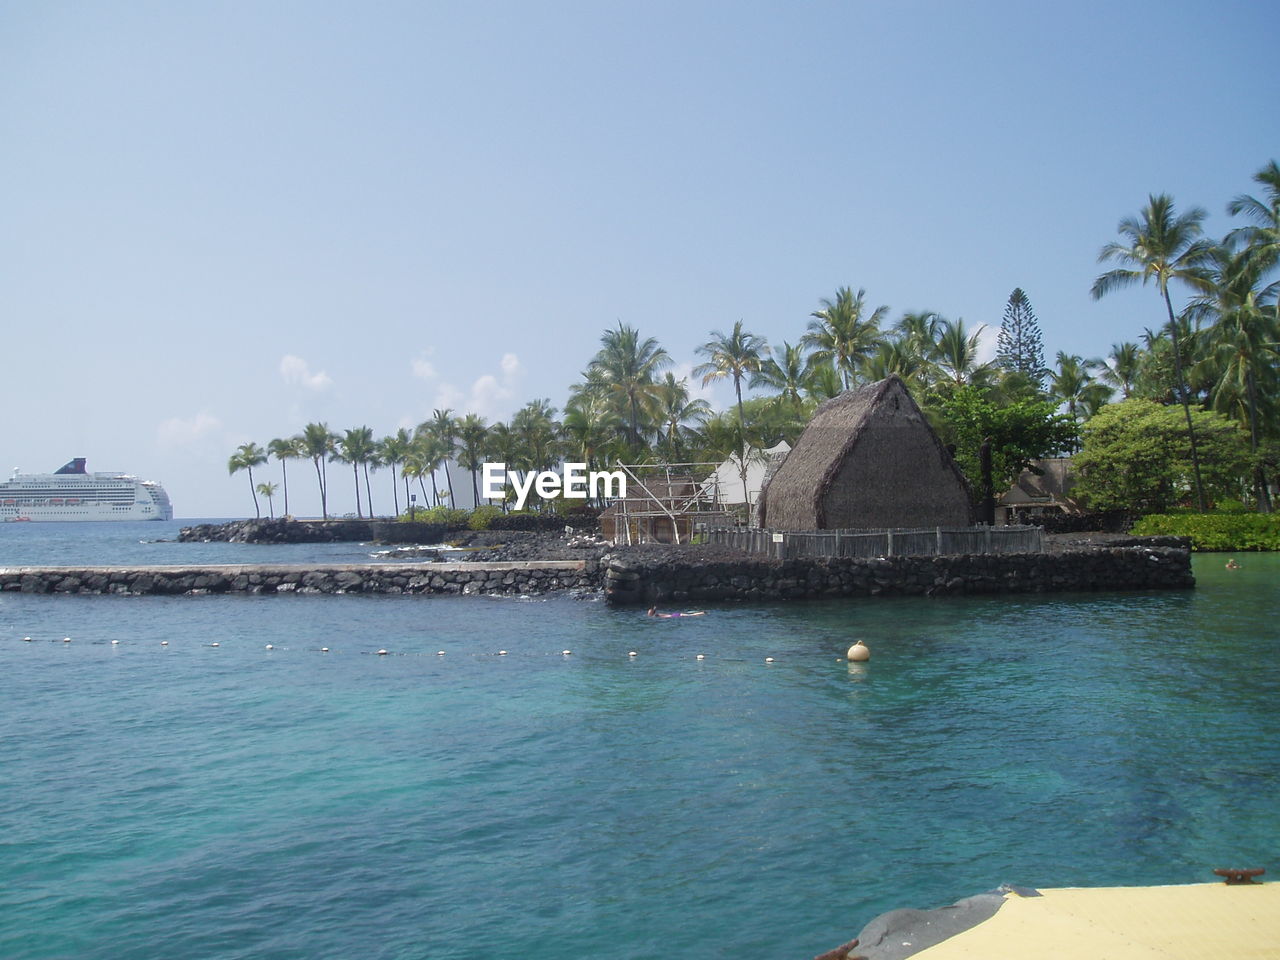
1183 411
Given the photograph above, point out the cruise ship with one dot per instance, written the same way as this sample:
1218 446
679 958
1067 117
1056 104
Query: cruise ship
72 493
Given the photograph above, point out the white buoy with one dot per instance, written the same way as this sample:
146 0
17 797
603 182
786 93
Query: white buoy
768 659
164 643
382 653
502 653
66 639
701 657
566 652
631 654
324 649
114 642
270 646
859 653
215 644
26 639
439 653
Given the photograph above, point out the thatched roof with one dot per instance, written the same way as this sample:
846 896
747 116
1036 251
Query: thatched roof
867 458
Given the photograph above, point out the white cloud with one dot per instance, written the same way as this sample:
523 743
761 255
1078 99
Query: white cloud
180 432
295 370
423 369
490 395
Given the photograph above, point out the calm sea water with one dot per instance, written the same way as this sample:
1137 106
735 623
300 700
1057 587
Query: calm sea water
230 801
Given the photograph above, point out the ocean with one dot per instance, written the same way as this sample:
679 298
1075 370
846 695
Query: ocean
194 777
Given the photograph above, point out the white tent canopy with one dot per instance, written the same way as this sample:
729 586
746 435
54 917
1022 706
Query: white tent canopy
727 478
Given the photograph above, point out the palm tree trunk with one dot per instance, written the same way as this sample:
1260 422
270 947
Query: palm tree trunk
742 449
355 470
257 512
368 494
324 511
475 490
284 470
1261 494
1182 396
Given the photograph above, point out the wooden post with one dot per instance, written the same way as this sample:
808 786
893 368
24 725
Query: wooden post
889 548
938 552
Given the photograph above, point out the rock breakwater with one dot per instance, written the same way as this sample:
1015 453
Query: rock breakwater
502 579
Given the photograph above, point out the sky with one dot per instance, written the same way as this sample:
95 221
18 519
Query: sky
222 221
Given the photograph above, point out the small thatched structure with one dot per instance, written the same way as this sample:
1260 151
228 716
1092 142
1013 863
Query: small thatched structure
868 459
1043 488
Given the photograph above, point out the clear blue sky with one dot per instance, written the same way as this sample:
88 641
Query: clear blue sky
220 221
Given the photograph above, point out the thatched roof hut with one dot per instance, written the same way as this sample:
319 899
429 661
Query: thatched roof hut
868 459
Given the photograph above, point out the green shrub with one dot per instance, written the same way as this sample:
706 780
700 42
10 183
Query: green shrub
482 517
446 516
1216 532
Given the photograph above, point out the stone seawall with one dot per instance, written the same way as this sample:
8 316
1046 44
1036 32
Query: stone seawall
640 581
502 579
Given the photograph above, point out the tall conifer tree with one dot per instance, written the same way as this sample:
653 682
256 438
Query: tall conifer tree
1019 346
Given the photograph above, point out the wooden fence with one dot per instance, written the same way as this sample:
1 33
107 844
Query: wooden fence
865 544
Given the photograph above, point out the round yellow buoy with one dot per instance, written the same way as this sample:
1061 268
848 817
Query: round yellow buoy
859 652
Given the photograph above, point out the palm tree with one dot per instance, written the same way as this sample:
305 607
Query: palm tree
317 443
1160 245
895 357
1243 346
1263 238
787 373
268 490
1120 368
537 434
624 368
677 411
472 432
1071 384
246 457
839 334
956 353
284 449
428 451
503 444
356 447
446 427
735 356
392 451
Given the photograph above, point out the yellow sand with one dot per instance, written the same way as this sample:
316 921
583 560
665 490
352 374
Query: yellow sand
1204 920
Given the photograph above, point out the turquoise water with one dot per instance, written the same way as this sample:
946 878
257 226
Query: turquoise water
186 800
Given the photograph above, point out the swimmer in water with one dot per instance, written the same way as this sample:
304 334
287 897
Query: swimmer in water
1232 565
653 612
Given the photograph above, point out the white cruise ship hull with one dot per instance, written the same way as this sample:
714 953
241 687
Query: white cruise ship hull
72 494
